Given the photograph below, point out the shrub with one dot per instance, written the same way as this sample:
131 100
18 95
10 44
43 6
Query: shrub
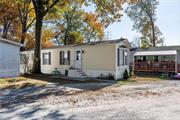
125 75
111 77
130 71
164 77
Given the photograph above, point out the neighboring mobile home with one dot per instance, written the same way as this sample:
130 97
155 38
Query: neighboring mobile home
164 59
95 59
9 58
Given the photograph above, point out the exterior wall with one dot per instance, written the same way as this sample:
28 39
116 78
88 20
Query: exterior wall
99 59
55 60
9 60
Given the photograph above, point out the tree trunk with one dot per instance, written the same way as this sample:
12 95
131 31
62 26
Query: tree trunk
23 36
153 33
5 30
37 47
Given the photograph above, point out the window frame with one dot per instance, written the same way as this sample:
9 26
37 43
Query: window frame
122 57
64 60
47 61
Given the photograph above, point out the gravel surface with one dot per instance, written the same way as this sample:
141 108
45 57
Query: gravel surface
158 100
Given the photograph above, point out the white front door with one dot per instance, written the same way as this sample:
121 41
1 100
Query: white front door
78 58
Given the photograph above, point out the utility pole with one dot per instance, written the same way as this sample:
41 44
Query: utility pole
108 34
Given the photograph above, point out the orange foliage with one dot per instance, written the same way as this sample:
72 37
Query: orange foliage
47 36
95 24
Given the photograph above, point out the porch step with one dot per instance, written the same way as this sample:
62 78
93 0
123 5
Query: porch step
77 74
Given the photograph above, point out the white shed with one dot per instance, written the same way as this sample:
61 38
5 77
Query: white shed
9 58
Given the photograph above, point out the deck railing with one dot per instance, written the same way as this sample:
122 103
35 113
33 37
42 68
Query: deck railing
155 66
178 68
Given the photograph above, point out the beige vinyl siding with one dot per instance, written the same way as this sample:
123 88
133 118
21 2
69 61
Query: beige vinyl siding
55 59
99 57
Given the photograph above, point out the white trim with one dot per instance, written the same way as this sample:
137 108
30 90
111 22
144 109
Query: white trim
148 53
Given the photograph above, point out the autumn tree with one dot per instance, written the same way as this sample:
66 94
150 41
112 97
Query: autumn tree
75 21
27 17
143 13
8 17
94 29
70 24
42 7
47 37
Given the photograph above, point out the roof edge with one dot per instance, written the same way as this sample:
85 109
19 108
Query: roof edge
11 42
85 44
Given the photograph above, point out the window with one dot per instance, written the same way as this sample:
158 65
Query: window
64 57
118 57
155 58
47 58
78 55
122 57
126 57
32 56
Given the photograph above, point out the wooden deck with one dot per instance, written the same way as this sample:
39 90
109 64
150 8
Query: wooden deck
155 66
178 68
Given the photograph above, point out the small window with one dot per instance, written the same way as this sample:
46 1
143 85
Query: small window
122 57
126 57
78 55
64 57
47 58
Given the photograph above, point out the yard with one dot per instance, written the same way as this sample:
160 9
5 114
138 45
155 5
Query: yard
135 99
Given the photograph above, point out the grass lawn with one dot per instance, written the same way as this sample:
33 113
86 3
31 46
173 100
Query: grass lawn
20 82
36 80
138 80
42 80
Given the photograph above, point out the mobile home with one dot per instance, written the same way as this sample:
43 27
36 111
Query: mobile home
100 58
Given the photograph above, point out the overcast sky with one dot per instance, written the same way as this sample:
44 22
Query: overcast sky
168 14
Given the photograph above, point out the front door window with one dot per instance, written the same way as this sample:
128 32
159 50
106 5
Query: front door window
78 55
78 59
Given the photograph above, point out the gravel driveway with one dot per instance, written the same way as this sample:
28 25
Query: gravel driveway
159 100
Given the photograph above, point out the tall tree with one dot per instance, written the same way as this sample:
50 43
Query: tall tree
42 7
26 16
70 22
143 13
94 29
75 21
